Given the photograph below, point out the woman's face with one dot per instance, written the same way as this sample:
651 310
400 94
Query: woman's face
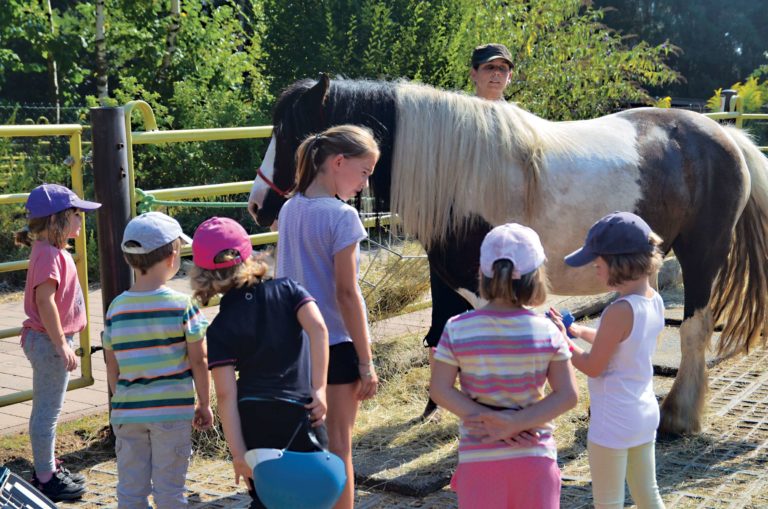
491 78
351 174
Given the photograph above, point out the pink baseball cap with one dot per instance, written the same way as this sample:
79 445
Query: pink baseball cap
215 235
514 242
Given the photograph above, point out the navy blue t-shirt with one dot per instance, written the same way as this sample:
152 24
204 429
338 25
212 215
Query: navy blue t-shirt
258 332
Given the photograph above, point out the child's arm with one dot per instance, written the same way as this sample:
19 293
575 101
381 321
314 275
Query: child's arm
443 391
583 332
226 400
507 423
353 314
312 322
113 369
49 315
615 326
198 360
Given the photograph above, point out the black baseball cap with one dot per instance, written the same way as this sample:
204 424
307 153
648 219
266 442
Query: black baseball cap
488 52
617 233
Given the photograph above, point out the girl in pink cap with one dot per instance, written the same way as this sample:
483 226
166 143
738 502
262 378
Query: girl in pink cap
504 355
280 390
55 308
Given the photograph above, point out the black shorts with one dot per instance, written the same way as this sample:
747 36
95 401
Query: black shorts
271 424
343 364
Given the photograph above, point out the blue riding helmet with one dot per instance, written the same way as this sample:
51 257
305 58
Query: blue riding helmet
297 480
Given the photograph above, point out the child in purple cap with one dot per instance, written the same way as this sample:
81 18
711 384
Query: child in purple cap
624 414
504 355
54 304
280 390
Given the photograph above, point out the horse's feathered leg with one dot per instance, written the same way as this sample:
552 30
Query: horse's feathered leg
681 411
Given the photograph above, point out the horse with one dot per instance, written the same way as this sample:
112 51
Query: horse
453 166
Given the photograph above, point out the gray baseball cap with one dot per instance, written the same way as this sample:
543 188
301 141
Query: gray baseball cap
152 230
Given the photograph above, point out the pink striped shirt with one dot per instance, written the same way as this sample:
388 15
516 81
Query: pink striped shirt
503 358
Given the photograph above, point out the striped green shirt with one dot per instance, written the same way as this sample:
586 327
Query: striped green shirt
149 332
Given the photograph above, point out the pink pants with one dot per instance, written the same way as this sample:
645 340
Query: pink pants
525 483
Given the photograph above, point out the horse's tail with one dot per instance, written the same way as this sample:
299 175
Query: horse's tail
740 293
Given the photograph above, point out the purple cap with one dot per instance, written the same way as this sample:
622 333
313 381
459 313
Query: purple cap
49 199
617 233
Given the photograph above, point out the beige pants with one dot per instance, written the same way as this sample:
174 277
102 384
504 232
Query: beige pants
611 467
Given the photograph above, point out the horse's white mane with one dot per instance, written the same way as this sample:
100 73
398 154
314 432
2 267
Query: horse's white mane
457 155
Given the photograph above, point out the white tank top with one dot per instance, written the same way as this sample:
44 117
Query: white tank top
623 407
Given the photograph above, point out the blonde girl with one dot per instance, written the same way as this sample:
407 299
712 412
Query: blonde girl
55 309
319 243
504 355
624 414
280 384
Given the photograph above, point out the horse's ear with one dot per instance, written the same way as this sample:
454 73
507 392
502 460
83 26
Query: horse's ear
316 96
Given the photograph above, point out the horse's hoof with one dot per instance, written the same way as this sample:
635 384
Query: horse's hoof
663 437
429 410
671 427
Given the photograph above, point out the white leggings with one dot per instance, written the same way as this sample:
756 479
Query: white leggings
611 467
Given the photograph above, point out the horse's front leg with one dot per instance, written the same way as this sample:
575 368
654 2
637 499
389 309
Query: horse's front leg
453 267
682 409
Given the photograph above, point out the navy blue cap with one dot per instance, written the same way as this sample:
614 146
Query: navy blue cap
614 234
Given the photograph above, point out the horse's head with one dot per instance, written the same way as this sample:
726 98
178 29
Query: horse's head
299 112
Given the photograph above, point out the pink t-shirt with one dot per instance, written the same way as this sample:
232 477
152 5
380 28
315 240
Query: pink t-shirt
49 262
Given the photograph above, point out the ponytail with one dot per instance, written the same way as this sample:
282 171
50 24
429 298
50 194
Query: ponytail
526 290
23 237
348 140
55 227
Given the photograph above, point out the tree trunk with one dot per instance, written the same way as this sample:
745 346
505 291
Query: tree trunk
102 85
170 40
53 70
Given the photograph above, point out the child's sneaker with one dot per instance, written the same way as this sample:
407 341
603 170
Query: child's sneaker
77 478
59 487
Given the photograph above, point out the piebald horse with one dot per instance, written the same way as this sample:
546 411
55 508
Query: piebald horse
453 166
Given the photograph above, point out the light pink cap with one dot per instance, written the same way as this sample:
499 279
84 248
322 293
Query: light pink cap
215 235
513 242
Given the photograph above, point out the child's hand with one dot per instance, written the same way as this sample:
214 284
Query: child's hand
557 319
68 356
524 439
203 418
492 426
317 407
242 470
369 382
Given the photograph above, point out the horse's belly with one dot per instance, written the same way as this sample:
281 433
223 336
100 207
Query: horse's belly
566 280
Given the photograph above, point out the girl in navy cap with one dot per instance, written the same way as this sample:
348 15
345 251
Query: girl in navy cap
55 308
624 413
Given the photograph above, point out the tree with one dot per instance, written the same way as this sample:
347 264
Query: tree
568 65
720 42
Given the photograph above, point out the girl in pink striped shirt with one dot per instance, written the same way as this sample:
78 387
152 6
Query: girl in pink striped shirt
504 355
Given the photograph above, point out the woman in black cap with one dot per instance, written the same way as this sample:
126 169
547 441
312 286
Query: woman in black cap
491 71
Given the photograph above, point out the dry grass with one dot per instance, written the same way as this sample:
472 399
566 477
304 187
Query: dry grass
393 278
